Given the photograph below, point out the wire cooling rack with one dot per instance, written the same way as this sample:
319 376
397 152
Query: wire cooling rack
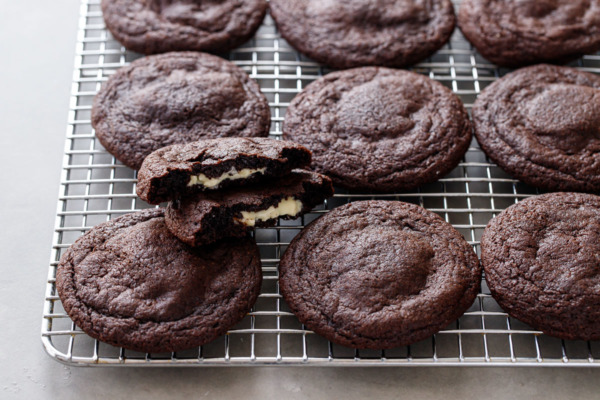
95 188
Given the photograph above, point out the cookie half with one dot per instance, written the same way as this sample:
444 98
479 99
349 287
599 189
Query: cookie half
129 282
176 98
379 129
353 33
159 26
517 33
541 263
212 164
209 216
378 274
541 124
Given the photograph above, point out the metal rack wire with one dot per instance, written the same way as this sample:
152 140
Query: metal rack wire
95 188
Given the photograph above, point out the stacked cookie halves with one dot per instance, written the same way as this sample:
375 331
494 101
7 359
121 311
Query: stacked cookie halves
225 187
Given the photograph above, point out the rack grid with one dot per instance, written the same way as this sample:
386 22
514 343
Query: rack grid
95 188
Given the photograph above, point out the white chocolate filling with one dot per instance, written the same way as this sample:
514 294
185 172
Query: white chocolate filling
287 206
231 175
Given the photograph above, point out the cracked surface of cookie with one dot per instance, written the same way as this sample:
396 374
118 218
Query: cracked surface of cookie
541 262
379 129
129 282
159 26
516 33
378 274
353 33
176 98
541 124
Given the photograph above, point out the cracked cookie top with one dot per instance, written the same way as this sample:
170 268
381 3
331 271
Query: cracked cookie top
379 129
176 98
541 258
519 32
159 26
379 274
354 33
541 124
129 282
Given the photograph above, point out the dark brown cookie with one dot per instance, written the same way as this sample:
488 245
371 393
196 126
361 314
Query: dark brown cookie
516 33
354 33
130 283
379 274
541 262
209 216
173 171
158 26
541 124
379 129
176 98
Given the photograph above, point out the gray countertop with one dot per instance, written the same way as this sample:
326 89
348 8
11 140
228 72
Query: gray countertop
37 47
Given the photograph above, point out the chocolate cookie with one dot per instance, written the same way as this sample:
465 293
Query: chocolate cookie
516 33
213 164
379 129
541 124
378 274
176 98
158 26
130 283
354 33
209 216
541 262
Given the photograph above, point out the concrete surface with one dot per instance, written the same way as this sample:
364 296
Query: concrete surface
37 40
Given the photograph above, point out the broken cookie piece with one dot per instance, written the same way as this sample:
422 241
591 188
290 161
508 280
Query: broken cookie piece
206 217
178 170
